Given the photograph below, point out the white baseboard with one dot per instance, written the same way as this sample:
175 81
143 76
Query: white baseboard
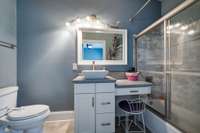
157 125
60 115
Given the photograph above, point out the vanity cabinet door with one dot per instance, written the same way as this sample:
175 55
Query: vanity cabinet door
84 113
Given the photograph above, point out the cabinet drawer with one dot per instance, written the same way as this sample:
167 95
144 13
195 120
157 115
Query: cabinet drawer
105 102
105 87
133 91
84 88
105 123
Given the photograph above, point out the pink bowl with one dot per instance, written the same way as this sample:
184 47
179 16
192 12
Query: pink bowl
132 76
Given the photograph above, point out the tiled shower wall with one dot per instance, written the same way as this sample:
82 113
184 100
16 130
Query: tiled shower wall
182 70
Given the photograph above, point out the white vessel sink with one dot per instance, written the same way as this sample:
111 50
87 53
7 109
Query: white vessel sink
95 74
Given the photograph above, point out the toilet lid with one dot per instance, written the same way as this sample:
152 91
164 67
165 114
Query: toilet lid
27 112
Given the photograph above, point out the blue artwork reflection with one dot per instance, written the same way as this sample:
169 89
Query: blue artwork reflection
93 50
93 54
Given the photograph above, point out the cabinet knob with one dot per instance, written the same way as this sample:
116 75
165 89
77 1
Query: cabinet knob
105 103
134 91
106 124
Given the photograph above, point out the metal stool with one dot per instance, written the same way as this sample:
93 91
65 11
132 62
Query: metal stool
136 108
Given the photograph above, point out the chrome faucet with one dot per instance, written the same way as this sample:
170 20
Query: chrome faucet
93 65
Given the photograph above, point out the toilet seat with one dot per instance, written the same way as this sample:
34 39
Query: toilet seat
19 120
27 112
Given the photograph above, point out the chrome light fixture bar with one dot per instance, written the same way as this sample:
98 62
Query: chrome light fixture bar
7 45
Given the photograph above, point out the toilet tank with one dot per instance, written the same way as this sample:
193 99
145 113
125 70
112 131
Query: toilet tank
8 98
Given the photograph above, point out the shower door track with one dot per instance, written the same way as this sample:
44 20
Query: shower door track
172 13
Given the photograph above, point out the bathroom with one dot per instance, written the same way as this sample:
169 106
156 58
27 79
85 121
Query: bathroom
49 47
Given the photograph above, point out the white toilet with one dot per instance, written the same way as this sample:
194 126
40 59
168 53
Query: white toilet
25 119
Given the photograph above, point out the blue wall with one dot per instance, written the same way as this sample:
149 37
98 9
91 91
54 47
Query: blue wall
46 49
168 5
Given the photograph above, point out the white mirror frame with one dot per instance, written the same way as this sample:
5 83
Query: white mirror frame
80 61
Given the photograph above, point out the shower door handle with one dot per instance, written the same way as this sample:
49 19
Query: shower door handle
93 102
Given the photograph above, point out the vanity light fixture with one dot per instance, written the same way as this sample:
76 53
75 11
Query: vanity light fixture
92 17
78 20
88 18
90 21
98 22
84 21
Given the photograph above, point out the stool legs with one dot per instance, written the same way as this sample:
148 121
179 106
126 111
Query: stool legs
143 123
119 120
135 107
135 122
126 123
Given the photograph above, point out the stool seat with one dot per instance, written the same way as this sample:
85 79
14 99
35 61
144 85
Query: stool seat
124 106
135 106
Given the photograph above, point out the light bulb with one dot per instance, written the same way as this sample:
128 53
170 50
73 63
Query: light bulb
98 22
88 18
78 20
67 24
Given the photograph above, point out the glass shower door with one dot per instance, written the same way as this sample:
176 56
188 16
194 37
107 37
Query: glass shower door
183 34
150 62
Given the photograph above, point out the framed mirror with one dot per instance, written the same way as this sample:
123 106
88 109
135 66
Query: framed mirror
104 46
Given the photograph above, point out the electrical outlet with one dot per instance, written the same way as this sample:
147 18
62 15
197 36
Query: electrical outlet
74 66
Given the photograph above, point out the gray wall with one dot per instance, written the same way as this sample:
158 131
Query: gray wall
46 49
8 74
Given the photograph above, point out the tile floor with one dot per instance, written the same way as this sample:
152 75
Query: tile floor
62 126
66 126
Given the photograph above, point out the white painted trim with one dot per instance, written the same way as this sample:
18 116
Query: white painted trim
157 125
60 115
102 62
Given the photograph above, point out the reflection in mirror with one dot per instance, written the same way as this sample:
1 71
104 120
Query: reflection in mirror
102 46
94 50
106 46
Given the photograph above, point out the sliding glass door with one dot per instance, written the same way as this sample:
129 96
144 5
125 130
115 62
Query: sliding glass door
184 39
150 62
169 56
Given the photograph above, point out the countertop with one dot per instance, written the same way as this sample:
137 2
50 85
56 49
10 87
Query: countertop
121 83
81 79
124 83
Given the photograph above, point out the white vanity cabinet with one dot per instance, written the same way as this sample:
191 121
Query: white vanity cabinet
84 107
94 107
